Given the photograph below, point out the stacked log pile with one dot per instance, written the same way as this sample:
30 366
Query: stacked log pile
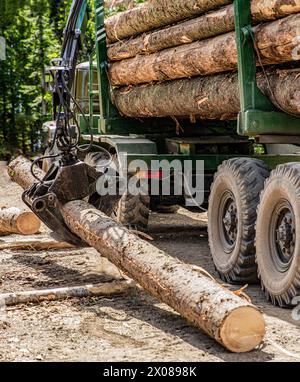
179 58
115 4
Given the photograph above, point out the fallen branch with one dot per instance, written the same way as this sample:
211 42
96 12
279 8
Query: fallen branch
36 296
36 245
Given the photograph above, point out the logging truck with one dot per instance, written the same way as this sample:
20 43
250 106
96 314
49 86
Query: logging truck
216 82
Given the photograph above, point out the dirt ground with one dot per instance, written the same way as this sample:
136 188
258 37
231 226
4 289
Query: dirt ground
131 327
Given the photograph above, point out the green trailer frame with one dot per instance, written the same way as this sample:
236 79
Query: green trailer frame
235 188
258 119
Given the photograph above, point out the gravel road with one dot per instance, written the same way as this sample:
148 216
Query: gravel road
130 327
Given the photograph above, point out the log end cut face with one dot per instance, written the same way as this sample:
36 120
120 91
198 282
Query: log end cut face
28 224
243 329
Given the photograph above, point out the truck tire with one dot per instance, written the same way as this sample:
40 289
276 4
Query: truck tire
130 210
133 211
232 215
278 234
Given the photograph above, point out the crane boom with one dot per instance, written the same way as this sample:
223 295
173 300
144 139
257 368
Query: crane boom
60 184
64 68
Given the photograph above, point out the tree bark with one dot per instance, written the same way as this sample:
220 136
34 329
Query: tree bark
155 14
13 220
111 4
277 42
56 294
233 322
25 180
212 97
159 13
35 245
200 28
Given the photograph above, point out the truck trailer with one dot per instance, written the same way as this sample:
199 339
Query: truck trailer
247 162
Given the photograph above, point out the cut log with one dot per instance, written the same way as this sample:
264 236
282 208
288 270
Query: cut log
159 13
200 28
14 220
277 42
155 14
35 296
113 4
212 97
25 180
232 321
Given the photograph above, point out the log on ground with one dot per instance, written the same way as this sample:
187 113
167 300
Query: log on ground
200 28
159 13
35 245
211 97
14 220
277 42
55 294
232 321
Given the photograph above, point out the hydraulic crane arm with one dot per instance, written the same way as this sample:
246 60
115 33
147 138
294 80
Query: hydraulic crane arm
71 179
65 66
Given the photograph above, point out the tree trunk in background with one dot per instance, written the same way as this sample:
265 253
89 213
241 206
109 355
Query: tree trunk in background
159 13
233 322
200 28
42 61
155 14
277 42
212 97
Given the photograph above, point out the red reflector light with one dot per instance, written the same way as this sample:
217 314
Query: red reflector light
150 174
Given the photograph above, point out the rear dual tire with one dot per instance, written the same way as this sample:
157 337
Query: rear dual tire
232 214
278 234
254 227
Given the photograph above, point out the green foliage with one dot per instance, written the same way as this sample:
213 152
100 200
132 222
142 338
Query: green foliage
120 6
33 30
31 44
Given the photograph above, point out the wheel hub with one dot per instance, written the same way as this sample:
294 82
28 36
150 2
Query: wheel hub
285 235
230 221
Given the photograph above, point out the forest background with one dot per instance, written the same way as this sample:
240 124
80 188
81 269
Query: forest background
32 31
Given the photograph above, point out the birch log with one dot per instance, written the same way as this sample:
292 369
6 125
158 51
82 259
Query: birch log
211 97
230 320
200 28
14 220
277 42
